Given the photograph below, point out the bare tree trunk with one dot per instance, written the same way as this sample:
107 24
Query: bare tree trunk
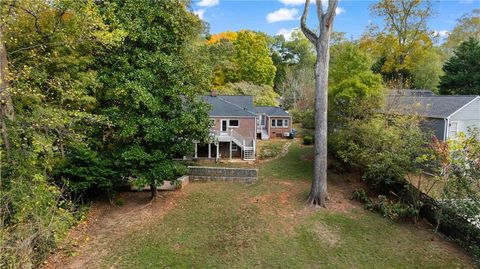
318 192
6 106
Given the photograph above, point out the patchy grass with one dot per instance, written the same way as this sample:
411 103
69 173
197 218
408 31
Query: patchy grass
296 165
267 225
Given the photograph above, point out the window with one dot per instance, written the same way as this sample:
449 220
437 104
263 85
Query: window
279 123
234 123
453 129
234 147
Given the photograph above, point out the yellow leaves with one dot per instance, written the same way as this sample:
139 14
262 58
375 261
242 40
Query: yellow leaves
228 35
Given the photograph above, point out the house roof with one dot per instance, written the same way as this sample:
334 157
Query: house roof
230 105
271 111
434 106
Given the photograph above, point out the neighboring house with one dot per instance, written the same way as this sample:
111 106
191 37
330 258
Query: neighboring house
236 125
445 115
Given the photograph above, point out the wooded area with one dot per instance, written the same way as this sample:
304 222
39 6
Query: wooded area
100 93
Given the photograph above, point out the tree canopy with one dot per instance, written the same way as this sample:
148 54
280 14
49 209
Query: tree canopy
462 71
404 40
149 90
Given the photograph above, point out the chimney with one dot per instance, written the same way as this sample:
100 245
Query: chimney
214 93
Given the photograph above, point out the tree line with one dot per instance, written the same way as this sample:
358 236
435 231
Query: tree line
98 93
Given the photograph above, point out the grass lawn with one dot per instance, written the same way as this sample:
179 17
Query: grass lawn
263 225
267 225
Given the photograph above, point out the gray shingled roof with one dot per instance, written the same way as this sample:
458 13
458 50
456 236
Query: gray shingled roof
436 106
230 105
271 111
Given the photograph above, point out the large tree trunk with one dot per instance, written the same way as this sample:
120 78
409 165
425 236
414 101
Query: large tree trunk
318 193
6 106
153 191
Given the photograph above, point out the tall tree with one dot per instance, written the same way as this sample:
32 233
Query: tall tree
6 106
462 71
50 80
241 56
467 26
150 84
321 41
405 38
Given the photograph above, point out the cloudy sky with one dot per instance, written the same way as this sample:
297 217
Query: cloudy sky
281 16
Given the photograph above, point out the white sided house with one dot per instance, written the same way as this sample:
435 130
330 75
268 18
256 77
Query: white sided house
236 126
445 115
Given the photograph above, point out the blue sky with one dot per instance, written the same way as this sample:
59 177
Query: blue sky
280 16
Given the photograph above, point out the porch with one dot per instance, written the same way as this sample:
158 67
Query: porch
227 145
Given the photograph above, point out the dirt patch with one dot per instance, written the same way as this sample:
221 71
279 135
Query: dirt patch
107 223
326 234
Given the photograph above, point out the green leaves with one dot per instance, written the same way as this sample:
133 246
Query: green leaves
243 56
462 71
148 89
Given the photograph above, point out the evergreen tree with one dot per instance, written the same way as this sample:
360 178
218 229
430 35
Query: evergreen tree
462 71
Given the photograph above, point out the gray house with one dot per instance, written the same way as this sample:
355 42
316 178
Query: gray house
445 115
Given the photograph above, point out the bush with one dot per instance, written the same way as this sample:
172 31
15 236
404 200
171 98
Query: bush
305 117
270 150
307 140
82 170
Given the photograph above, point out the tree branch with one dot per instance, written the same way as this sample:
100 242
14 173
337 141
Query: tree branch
331 12
303 25
320 14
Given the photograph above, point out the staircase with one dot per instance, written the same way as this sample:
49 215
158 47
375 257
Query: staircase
264 134
246 144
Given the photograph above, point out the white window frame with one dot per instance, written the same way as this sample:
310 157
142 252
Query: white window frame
234 147
283 123
221 126
230 126
450 130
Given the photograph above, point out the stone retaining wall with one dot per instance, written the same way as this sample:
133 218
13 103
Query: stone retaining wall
202 173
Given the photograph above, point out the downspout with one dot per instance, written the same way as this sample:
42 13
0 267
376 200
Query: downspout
445 129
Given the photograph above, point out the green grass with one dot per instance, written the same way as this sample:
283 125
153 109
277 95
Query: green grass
296 165
266 225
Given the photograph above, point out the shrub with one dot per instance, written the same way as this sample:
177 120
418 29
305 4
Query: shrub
83 170
305 117
270 150
307 140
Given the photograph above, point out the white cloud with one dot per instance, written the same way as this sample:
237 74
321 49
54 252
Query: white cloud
441 33
340 10
287 33
293 2
283 14
199 13
208 3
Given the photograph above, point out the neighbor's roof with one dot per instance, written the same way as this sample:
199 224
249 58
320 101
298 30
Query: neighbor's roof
230 105
434 106
271 111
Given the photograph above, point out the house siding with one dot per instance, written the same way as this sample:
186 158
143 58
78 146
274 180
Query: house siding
246 126
468 116
274 131
435 126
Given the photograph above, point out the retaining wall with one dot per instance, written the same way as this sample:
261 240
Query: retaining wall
202 173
